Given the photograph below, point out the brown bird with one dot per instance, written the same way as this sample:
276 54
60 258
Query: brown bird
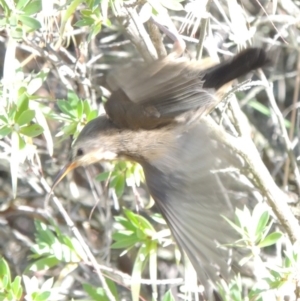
153 118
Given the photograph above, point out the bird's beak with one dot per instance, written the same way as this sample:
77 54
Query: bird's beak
66 169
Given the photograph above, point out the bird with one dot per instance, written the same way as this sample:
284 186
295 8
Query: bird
154 117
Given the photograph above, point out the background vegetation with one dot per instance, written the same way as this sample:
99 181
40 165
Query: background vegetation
54 59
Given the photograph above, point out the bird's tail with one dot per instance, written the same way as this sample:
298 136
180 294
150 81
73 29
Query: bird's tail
244 62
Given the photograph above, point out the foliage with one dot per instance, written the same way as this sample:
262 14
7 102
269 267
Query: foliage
60 37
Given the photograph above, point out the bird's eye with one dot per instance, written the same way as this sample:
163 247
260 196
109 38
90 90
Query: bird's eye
79 152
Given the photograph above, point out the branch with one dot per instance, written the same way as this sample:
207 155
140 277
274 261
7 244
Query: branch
276 198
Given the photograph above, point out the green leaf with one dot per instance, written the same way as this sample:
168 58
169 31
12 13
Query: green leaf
98 294
25 117
4 269
42 296
41 120
22 103
85 22
21 4
4 131
45 263
32 23
120 185
125 243
37 81
66 108
168 296
92 115
86 12
270 240
263 221
70 129
17 33
32 130
79 109
234 226
17 287
33 7
138 266
94 31
139 221
103 176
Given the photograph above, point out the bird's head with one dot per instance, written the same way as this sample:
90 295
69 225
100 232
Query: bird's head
97 142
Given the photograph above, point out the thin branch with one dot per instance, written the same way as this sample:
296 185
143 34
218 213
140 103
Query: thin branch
203 28
139 37
276 198
81 240
287 142
157 39
293 120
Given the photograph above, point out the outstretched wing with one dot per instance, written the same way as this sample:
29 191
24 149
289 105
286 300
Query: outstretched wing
186 188
147 96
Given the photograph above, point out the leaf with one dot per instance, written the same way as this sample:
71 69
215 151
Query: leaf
32 130
42 296
85 22
33 7
79 109
263 221
43 264
120 185
125 243
21 4
4 131
140 260
97 294
168 296
103 176
4 269
38 80
25 117
17 287
17 33
270 240
66 108
234 226
41 120
22 103
32 23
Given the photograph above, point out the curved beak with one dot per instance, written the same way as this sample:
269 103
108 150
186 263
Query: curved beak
66 169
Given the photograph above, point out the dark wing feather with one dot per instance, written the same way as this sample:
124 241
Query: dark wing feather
190 197
156 94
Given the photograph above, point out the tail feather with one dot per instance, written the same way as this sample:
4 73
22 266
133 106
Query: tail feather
246 61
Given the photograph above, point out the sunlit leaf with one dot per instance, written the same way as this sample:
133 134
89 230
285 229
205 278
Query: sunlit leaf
270 240
32 130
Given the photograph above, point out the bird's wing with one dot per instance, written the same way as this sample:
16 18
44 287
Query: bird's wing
190 196
169 87
165 89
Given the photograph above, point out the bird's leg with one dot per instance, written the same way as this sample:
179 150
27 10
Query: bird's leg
179 44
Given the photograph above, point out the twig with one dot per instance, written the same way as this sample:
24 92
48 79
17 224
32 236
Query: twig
157 40
139 37
79 237
276 198
293 121
287 142
203 26
128 278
